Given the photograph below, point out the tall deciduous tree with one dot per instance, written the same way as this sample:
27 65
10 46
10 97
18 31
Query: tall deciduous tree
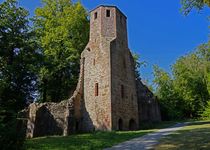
63 29
17 69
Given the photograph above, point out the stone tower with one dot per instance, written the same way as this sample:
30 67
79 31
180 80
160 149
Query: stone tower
109 94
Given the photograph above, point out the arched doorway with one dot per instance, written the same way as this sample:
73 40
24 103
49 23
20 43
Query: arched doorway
132 125
77 126
120 124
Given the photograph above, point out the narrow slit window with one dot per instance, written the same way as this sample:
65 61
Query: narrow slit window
96 89
122 91
108 13
95 15
94 62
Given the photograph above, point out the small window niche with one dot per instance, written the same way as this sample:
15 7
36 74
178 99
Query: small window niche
96 89
108 13
95 15
88 49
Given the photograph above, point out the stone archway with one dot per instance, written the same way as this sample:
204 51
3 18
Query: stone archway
120 124
132 125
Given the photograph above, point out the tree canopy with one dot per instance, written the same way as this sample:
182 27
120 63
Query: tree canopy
188 5
18 65
62 28
185 93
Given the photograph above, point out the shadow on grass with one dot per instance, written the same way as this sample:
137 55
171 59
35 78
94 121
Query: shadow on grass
193 136
199 123
156 125
97 140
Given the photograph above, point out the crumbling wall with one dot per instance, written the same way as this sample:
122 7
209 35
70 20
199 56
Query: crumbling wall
147 104
55 118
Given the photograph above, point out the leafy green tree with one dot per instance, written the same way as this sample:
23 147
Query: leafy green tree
206 113
190 77
188 5
185 93
62 28
170 102
17 70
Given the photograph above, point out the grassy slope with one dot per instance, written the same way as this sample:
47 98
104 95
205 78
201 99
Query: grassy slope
91 141
192 137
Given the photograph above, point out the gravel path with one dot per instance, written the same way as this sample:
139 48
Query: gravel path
147 141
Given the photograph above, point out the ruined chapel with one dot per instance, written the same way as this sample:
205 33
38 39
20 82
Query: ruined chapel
108 95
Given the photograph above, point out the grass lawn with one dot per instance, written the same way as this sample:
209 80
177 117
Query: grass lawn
91 141
195 136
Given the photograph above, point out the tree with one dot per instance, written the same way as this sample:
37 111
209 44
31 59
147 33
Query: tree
190 75
206 113
185 93
170 102
62 28
17 70
188 5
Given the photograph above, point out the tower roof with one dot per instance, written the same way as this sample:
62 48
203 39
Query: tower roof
109 6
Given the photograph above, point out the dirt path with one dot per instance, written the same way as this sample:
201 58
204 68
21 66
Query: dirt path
147 141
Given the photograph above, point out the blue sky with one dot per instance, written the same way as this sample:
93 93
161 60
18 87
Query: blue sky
156 29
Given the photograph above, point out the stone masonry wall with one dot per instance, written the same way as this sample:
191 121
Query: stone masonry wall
124 98
56 118
97 114
148 106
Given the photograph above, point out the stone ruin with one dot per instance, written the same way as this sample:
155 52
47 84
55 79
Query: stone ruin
108 96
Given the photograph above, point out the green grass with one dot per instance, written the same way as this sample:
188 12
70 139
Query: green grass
195 136
90 141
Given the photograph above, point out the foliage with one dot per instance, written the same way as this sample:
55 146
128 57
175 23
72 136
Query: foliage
185 93
12 134
17 70
190 76
206 113
188 5
138 64
169 100
62 28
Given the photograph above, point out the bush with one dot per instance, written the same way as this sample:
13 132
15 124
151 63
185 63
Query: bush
11 134
206 113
